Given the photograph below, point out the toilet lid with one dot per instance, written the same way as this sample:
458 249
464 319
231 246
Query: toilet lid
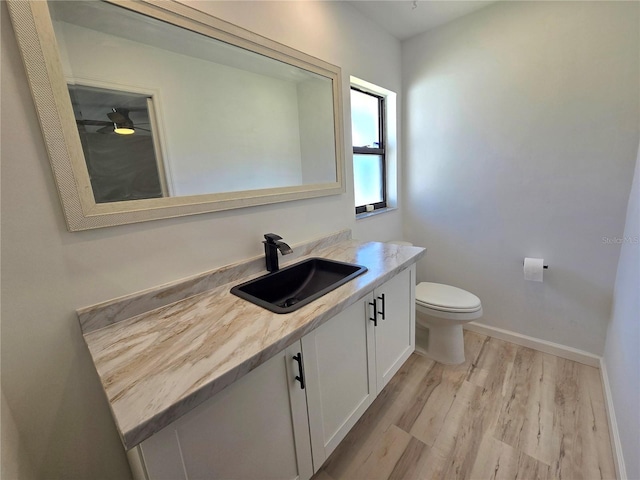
446 298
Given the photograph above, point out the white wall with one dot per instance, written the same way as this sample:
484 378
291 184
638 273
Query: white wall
47 272
521 130
621 351
14 464
224 129
316 125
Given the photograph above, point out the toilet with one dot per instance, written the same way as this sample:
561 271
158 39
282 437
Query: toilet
441 310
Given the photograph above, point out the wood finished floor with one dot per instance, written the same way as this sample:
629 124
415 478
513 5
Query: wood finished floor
508 412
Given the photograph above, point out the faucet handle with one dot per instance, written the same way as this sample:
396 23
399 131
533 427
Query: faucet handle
272 237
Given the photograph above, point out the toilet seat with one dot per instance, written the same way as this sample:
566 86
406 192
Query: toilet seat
445 298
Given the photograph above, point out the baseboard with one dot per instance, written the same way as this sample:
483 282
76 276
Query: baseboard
618 459
556 349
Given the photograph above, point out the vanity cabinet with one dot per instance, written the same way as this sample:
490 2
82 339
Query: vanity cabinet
339 364
395 330
265 425
256 428
349 359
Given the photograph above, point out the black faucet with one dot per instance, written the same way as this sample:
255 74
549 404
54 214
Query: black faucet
272 244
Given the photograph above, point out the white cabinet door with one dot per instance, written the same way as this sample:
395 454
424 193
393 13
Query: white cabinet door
395 330
339 367
257 428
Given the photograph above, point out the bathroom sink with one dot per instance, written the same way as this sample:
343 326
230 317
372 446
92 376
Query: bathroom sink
294 286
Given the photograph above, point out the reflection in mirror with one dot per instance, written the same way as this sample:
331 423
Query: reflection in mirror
234 120
117 136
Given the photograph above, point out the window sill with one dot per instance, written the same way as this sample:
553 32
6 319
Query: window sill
360 216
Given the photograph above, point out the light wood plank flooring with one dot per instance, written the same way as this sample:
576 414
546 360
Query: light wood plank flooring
508 412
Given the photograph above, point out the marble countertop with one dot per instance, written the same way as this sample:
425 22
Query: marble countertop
159 364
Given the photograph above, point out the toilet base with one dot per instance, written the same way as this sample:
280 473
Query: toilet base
444 344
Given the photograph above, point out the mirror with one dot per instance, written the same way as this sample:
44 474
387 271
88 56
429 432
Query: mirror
155 110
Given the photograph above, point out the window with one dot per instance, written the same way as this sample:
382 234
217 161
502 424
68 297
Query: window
369 146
